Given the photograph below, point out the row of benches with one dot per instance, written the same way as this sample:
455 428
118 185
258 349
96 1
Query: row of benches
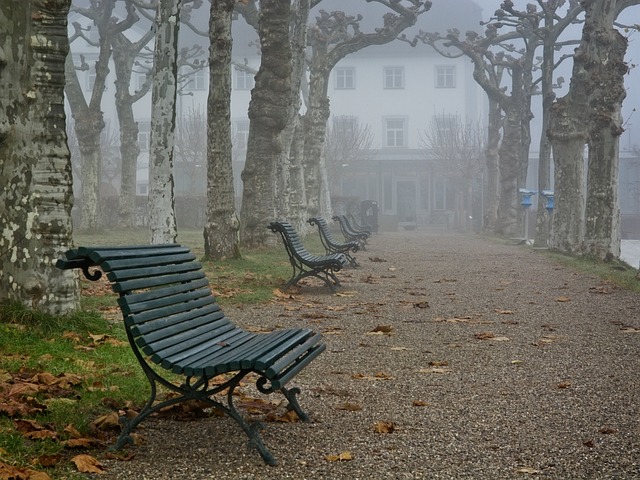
174 324
337 254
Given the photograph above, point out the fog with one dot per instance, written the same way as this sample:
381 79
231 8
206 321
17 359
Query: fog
631 105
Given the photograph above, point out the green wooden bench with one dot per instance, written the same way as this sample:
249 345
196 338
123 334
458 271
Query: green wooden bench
350 234
304 263
173 321
331 245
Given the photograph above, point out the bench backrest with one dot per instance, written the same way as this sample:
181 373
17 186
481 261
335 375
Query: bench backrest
297 250
166 302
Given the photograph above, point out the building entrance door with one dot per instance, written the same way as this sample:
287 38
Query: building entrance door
406 201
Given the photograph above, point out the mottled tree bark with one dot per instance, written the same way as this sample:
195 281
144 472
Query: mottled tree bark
290 196
221 229
602 215
268 112
493 170
35 166
125 53
162 218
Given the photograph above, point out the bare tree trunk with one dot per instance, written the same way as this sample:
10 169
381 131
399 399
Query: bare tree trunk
571 122
268 113
289 181
568 134
602 217
221 229
124 57
510 153
35 171
162 218
315 124
493 170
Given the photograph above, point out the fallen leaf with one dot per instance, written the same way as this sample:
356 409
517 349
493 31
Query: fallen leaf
563 298
48 460
107 422
342 457
437 363
528 470
503 312
436 370
608 430
384 427
381 330
377 259
423 304
563 385
87 464
420 403
484 335
399 349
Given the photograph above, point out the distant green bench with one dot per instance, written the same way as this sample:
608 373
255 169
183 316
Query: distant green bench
331 245
304 263
350 233
173 320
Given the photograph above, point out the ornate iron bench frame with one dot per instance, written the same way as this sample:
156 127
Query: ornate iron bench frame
350 234
172 320
331 245
304 263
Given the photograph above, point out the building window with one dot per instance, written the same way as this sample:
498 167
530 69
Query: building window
345 78
445 126
90 79
446 76
347 125
394 77
243 80
395 132
143 189
196 80
141 78
241 134
440 195
144 135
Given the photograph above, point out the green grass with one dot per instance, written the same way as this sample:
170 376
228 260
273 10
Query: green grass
616 272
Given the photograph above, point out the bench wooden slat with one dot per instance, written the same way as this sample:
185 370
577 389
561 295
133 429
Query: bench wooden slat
166 300
214 339
134 301
143 272
153 282
218 361
169 310
285 377
275 351
208 313
127 263
291 356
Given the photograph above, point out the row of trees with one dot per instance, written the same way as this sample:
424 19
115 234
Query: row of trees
506 61
285 172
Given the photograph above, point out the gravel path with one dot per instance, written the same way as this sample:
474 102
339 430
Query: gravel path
498 364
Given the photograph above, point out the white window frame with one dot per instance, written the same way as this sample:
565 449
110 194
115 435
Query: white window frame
393 78
445 76
144 135
395 132
243 80
345 78
196 81
346 123
241 133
